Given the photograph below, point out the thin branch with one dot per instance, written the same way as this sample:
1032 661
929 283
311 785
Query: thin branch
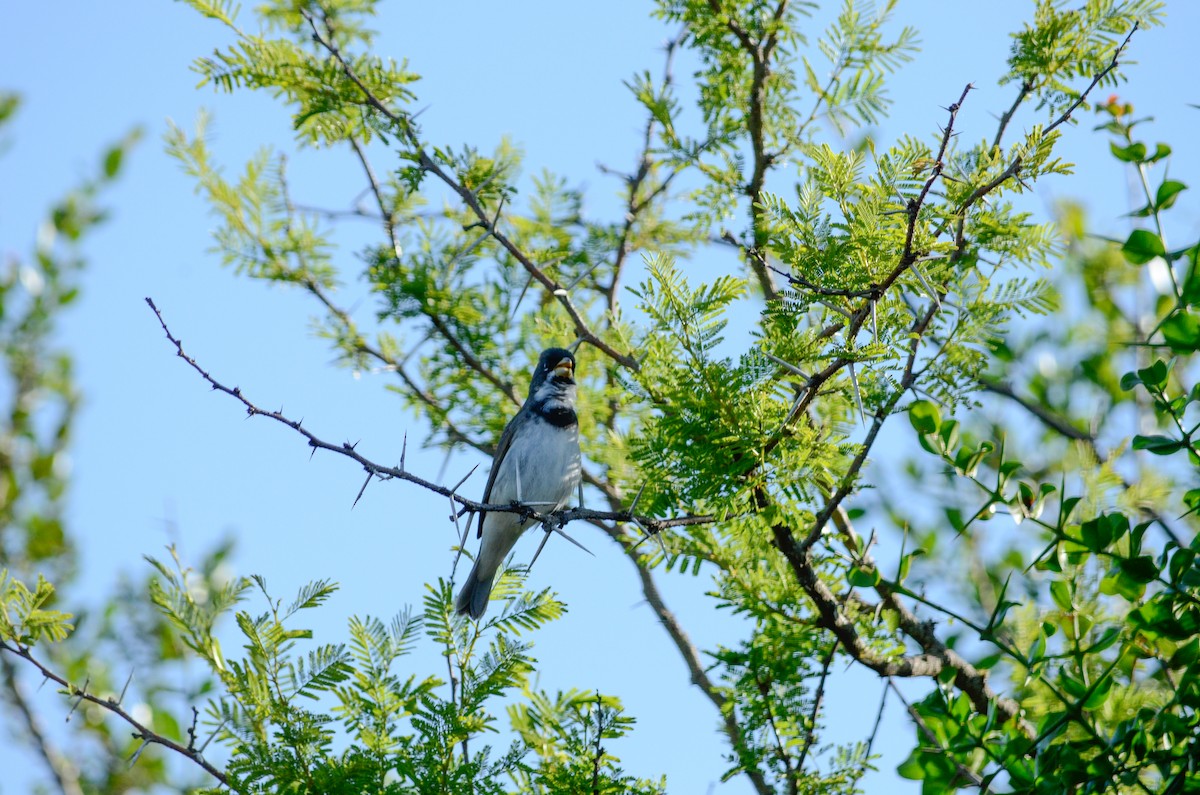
927 733
141 731
65 774
1064 428
1026 89
818 702
557 518
690 654
470 199
388 215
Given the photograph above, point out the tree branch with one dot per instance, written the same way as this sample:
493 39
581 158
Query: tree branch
404 127
141 731
554 519
65 774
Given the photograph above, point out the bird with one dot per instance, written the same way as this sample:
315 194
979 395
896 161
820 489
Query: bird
537 462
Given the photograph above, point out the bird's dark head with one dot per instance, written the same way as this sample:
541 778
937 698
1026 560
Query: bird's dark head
556 365
552 391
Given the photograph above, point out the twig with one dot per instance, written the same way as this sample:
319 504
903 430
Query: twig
818 701
1064 428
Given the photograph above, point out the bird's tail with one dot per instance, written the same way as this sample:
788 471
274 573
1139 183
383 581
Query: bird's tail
473 598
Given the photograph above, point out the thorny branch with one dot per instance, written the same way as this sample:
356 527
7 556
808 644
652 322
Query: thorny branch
908 258
141 731
555 519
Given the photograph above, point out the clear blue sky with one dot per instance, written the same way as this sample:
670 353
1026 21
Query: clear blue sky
160 458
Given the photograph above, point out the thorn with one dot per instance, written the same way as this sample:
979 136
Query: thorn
862 415
633 505
517 464
924 281
875 321
835 308
786 365
520 298
366 483
458 531
403 451
145 741
441 475
126 687
204 745
562 533
545 538
646 537
81 692
582 276
464 480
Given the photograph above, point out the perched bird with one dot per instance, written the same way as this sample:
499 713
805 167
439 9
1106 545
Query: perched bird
536 462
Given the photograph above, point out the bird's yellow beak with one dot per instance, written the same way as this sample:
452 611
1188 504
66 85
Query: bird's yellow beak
565 368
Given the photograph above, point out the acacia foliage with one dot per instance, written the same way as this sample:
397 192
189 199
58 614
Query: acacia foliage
881 278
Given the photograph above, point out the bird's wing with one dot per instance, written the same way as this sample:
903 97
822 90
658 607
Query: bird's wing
498 459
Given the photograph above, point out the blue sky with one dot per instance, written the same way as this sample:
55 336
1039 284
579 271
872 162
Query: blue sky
159 458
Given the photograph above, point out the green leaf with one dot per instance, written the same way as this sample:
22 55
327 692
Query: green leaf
1099 694
1159 445
1134 153
112 161
1160 151
1096 534
1181 331
1141 569
925 416
862 577
1110 636
1143 246
912 768
1129 381
1154 375
1060 591
1191 284
1192 499
1167 193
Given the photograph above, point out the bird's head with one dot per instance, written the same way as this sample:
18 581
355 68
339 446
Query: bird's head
553 384
555 364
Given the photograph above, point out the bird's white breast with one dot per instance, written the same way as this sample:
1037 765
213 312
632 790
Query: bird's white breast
546 460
